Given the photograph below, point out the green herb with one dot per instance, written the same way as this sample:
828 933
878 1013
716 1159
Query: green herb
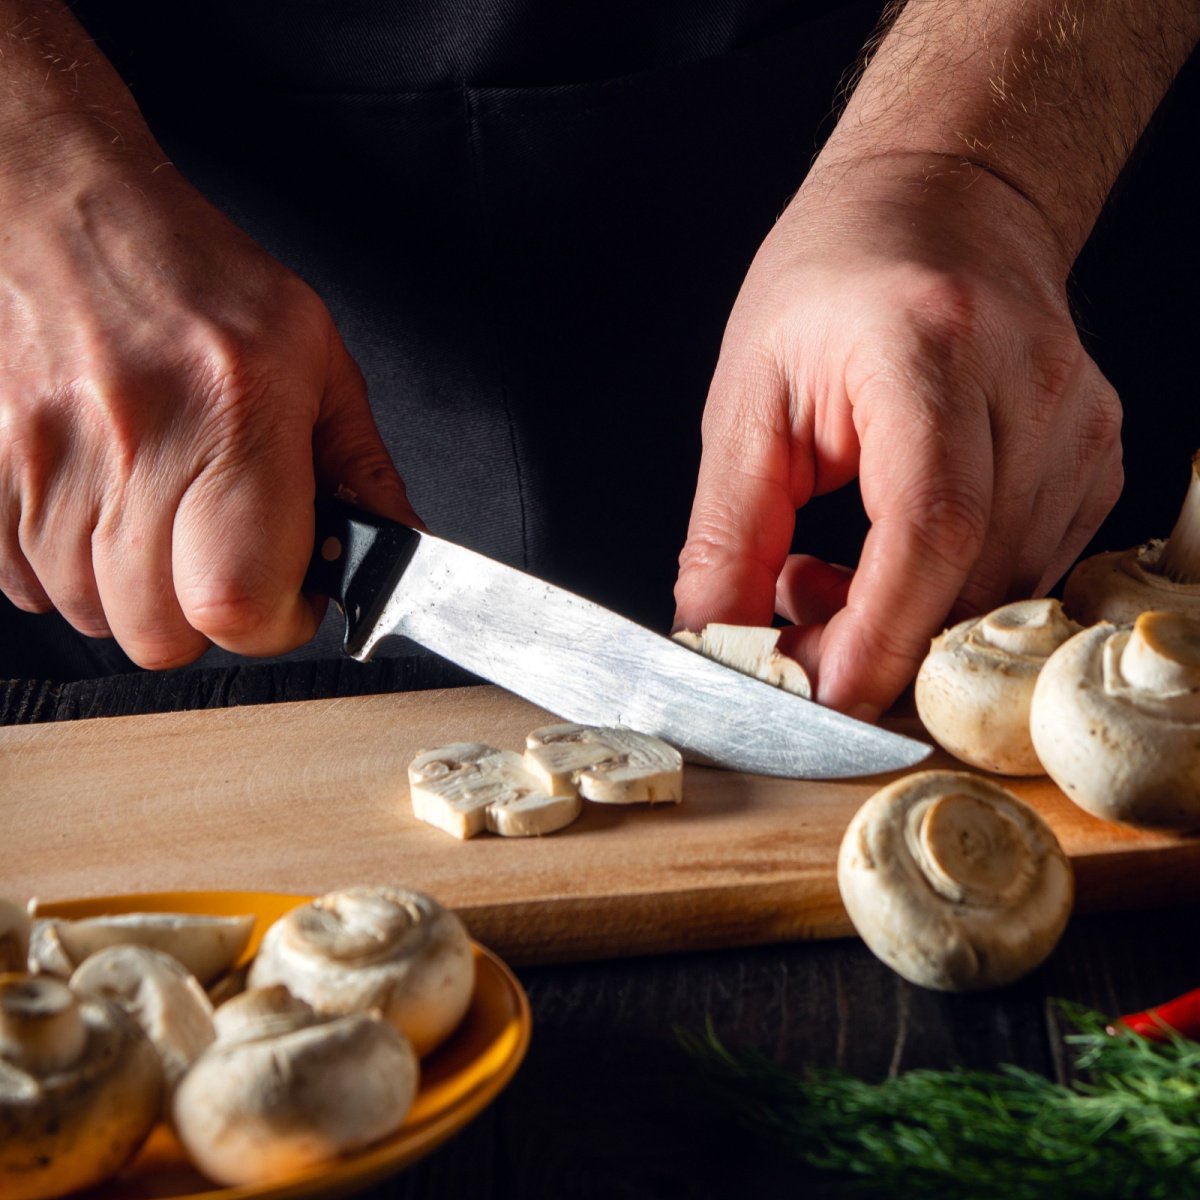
1131 1129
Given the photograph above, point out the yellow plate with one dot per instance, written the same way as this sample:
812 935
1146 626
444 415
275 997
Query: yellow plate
458 1080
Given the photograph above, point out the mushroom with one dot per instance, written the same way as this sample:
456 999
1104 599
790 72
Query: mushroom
15 926
466 787
160 994
954 882
207 946
284 1088
610 766
79 1088
751 649
389 949
1158 575
1116 720
975 685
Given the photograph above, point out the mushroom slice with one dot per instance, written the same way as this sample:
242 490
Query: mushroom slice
1116 720
610 766
207 946
389 949
975 685
160 994
1160 575
467 787
79 1088
283 1089
15 929
751 649
954 882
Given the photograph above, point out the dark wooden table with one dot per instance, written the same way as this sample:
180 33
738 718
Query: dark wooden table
606 1104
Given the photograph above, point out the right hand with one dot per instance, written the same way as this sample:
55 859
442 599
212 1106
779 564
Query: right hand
171 400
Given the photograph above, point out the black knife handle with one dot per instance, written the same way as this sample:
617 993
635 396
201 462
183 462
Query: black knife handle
357 559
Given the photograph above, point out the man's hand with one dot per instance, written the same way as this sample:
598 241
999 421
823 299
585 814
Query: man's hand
171 398
898 325
906 322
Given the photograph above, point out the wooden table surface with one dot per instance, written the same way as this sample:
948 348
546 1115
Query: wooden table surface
605 1104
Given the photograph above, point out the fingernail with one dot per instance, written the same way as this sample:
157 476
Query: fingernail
864 712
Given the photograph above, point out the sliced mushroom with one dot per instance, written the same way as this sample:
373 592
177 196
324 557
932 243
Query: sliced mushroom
397 951
284 1089
160 994
1116 720
467 787
1157 576
79 1088
974 688
207 946
751 649
954 882
15 928
610 766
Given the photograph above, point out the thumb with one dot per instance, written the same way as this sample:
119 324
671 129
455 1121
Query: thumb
349 456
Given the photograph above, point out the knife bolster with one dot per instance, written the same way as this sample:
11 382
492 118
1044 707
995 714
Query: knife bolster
357 559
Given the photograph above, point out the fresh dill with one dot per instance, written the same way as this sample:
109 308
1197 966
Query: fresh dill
1129 1128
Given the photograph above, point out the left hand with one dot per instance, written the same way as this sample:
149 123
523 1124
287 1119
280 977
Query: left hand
905 322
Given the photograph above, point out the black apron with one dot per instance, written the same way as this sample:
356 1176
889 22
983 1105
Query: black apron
529 226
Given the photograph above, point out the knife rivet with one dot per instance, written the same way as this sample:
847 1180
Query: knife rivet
331 549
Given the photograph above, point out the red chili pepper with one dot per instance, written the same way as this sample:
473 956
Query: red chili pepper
1181 1016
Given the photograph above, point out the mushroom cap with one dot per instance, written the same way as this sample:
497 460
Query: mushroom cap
266 1104
607 765
15 928
466 787
161 995
954 882
78 1123
1116 720
389 949
974 688
1118 585
207 946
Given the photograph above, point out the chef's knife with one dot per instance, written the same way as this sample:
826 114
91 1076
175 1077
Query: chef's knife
578 660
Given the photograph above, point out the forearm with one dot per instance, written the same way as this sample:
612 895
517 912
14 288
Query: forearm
61 104
1050 96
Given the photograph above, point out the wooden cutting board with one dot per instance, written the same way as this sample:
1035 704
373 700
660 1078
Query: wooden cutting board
310 796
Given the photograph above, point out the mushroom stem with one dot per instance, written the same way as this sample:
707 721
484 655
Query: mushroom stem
41 1029
1162 654
1180 559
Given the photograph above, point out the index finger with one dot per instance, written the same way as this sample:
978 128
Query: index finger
926 480
745 505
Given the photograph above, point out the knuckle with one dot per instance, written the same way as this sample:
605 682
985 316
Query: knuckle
949 524
227 613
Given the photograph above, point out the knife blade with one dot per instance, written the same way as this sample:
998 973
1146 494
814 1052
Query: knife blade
575 658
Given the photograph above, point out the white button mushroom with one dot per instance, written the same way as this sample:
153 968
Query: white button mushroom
610 766
160 994
389 949
283 1089
974 688
1116 720
15 927
954 882
79 1088
207 946
751 649
1159 575
467 787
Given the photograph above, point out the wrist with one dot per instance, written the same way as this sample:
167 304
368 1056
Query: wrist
927 204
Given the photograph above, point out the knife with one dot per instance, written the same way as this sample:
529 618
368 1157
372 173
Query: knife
575 658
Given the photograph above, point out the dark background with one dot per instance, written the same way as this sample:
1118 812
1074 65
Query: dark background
585 304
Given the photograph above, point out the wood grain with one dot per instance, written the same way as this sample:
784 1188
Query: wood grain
304 797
